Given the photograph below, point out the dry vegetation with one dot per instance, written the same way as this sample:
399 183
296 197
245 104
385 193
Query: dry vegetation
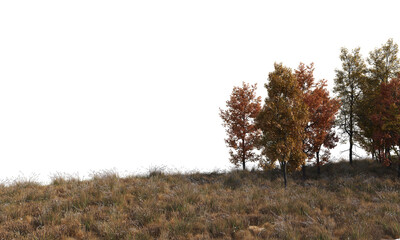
360 202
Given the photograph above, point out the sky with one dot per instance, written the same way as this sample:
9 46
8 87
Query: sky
127 86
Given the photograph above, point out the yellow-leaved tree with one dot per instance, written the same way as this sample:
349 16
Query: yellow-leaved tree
282 120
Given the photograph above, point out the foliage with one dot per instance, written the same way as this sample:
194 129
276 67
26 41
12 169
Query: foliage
238 119
348 83
282 120
383 65
322 110
386 116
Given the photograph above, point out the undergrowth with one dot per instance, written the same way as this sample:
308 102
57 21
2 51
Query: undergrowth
359 202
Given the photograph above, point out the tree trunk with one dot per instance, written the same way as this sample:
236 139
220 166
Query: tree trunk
351 127
318 167
379 155
303 169
351 150
388 155
385 153
243 155
398 170
284 174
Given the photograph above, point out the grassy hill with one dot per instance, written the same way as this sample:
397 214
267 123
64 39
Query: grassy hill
360 202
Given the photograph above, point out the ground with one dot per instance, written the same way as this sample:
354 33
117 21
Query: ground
359 202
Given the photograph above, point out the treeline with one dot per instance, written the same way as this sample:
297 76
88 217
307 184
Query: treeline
296 124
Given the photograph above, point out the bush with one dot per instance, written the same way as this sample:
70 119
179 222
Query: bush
233 181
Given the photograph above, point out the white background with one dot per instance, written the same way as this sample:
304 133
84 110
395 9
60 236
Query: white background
126 85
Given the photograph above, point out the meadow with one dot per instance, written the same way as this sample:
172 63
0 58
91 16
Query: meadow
345 202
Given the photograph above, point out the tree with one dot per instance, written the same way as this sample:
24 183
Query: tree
282 120
392 123
387 118
347 85
383 65
239 121
322 110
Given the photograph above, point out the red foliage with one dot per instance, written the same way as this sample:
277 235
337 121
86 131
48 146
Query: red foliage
322 110
386 119
238 119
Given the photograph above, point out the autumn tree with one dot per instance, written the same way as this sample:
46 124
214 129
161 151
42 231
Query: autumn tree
348 81
383 65
390 105
386 117
282 120
239 121
322 109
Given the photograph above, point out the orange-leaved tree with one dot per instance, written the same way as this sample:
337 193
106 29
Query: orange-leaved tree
322 110
238 119
282 120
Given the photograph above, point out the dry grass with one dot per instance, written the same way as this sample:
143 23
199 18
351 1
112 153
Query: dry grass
361 202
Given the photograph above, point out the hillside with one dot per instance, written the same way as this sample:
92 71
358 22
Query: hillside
360 202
